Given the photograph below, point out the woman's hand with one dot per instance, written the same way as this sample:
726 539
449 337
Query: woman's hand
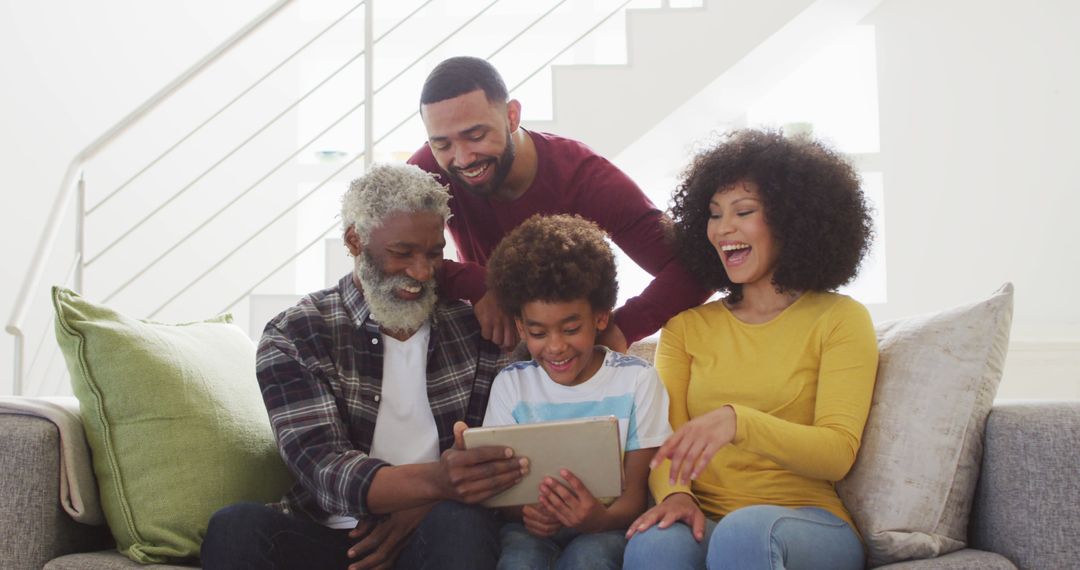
693 445
574 507
678 507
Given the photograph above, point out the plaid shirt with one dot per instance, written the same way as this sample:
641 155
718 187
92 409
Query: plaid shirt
320 366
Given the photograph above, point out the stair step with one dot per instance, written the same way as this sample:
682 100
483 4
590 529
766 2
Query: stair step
673 55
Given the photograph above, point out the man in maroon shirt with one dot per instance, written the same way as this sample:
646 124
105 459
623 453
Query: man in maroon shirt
500 174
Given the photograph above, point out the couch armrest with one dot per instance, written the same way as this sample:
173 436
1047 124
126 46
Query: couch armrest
33 527
1027 503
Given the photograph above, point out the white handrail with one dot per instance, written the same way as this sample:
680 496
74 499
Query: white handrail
206 172
181 80
223 108
369 79
67 186
45 245
366 154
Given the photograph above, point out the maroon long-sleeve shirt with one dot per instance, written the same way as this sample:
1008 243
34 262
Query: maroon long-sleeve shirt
571 179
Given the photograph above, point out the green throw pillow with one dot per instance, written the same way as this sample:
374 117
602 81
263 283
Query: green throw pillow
175 422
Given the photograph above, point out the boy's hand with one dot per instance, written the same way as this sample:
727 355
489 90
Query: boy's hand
574 507
539 521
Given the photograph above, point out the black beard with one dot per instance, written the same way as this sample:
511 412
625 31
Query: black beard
503 164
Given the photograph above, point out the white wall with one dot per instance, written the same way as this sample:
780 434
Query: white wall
978 130
70 70
978 138
979 126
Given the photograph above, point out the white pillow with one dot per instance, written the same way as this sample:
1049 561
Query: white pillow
911 488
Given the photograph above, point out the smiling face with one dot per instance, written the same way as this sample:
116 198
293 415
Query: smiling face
561 336
738 230
396 269
470 139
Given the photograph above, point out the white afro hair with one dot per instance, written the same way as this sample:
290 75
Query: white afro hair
389 188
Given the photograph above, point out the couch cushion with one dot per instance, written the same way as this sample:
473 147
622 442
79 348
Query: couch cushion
105 560
175 422
911 487
966 559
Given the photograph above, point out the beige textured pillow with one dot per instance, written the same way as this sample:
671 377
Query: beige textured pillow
911 488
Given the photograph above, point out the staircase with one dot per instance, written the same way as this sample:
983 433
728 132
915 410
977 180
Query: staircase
672 55
725 51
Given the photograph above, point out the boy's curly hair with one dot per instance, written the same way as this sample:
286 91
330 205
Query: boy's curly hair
812 203
553 258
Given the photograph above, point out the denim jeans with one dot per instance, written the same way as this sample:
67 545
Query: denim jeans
253 536
565 550
762 537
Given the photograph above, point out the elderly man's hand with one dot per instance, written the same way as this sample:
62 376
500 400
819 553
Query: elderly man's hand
472 475
380 540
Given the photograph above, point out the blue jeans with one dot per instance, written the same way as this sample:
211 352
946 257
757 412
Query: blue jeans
253 536
565 550
762 537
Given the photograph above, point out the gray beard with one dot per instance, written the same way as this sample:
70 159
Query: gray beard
394 315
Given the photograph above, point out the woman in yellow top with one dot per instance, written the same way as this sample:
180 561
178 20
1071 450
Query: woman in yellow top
771 385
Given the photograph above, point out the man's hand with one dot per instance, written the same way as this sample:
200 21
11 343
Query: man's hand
471 476
679 507
495 325
612 337
574 507
380 540
539 521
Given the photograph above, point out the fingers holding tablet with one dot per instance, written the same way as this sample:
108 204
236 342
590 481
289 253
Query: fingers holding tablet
474 475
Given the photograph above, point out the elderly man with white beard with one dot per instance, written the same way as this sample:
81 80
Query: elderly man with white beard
368 386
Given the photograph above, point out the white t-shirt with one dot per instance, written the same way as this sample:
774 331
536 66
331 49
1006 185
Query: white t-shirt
626 387
405 431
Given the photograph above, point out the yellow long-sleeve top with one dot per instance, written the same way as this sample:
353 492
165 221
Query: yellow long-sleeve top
800 386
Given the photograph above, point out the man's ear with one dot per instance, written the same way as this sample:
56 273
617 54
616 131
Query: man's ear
602 319
352 241
513 114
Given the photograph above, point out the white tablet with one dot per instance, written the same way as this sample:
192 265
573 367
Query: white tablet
588 447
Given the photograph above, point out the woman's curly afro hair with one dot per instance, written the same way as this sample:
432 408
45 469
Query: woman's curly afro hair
554 259
811 200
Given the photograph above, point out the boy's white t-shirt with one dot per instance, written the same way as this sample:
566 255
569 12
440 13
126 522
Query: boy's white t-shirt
626 387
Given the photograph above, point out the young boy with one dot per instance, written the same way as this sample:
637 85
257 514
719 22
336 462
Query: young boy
557 276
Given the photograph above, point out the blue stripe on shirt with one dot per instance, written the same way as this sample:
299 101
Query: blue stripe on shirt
621 407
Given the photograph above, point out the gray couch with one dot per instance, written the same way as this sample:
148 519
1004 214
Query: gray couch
1026 513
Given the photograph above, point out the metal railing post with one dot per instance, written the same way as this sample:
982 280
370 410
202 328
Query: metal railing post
17 358
369 83
80 234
